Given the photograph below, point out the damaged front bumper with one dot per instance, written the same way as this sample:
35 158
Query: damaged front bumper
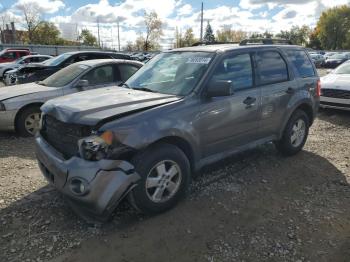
93 188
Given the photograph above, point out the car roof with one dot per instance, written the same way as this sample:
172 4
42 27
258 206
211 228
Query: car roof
97 62
91 52
229 47
36 56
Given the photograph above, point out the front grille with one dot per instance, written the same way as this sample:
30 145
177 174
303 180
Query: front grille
336 93
63 136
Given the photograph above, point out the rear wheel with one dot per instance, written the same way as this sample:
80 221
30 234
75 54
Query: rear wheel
165 176
28 122
295 134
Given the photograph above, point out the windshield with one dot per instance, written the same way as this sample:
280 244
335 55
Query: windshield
64 76
343 69
56 60
175 73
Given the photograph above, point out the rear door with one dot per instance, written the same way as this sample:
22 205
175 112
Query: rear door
305 72
124 72
227 123
274 77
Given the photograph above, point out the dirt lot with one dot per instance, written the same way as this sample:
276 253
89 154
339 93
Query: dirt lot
257 206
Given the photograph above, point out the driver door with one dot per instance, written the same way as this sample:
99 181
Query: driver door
230 122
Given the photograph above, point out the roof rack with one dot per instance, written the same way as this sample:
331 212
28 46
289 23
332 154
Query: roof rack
214 43
266 41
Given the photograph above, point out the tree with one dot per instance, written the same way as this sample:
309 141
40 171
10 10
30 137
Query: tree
209 36
334 28
314 41
46 33
179 41
32 18
153 31
87 38
229 35
189 38
298 35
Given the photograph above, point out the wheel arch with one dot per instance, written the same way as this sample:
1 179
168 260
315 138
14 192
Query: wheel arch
35 104
182 144
304 106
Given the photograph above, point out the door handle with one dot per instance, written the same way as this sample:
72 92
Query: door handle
290 91
249 101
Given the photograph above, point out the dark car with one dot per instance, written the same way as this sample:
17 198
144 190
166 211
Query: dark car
184 109
336 60
40 71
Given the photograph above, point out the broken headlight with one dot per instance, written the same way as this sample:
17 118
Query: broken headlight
103 146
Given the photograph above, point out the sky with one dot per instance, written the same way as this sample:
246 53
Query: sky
71 16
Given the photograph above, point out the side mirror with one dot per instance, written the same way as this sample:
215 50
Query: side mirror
82 83
219 88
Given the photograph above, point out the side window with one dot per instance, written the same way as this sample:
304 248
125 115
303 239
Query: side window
100 75
42 58
301 62
238 69
34 60
271 68
22 54
9 55
126 71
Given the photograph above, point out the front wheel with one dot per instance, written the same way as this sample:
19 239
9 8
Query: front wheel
295 134
165 176
28 122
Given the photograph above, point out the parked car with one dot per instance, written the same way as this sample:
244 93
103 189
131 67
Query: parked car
4 67
336 60
20 105
335 92
318 59
329 54
40 71
11 54
145 140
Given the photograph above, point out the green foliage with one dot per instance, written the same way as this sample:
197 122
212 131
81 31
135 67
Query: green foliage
209 35
46 33
87 38
189 38
334 27
298 35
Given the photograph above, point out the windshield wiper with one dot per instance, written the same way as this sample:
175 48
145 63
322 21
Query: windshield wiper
144 89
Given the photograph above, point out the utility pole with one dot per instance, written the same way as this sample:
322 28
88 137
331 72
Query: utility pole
201 39
98 32
118 35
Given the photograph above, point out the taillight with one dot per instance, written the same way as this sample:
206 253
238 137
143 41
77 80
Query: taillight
318 88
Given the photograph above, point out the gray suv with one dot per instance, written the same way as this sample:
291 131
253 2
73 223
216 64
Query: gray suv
184 109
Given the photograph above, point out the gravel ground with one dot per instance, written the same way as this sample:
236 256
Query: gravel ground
255 206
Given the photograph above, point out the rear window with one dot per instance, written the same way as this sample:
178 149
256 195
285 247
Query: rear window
301 62
271 68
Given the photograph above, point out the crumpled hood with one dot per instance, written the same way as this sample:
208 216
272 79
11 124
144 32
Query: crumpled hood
20 90
336 81
91 107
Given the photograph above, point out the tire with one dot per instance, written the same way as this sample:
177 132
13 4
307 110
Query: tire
144 197
293 139
22 123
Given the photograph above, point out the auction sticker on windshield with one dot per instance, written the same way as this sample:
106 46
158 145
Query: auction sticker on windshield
198 60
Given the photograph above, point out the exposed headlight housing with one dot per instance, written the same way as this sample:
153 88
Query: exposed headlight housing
103 146
2 107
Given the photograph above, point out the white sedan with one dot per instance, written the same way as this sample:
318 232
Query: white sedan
335 88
